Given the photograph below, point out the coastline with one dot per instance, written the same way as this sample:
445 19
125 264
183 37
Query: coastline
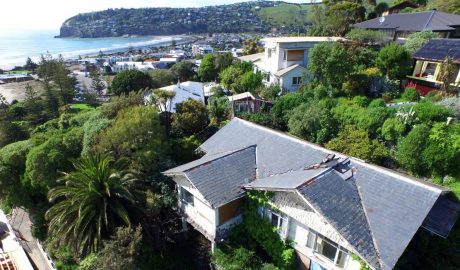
157 41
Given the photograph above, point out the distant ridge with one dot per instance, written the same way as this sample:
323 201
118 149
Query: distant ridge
255 16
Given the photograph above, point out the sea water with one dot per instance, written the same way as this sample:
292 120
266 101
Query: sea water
16 46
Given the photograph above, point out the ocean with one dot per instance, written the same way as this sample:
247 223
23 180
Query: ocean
16 46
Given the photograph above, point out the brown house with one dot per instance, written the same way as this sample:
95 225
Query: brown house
247 103
426 75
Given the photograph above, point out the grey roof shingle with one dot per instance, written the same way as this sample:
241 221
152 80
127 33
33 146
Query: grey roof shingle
289 180
394 206
219 177
339 202
395 209
418 21
439 49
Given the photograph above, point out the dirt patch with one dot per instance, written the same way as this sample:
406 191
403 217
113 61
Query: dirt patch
16 91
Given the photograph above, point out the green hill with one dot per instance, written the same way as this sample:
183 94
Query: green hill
286 14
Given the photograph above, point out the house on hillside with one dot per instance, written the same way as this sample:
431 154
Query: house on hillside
428 62
183 91
400 25
247 102
331 206
132 65
285 60
400 6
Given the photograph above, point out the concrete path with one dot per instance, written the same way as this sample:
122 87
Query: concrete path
21 223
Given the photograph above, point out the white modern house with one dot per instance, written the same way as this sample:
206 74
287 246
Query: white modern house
285 60
141 66
183 91
330 206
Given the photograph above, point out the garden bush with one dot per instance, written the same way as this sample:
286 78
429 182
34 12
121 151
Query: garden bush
411 94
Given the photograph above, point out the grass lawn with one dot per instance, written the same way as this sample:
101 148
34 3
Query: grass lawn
286 14
81 107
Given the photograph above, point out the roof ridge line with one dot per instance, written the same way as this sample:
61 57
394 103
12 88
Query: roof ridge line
403 177
429 19
374 242
231 152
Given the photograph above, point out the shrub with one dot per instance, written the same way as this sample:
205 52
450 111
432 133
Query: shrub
429 112
394 61
130 81
356 143
411 94
356 84
378 102
313 123
434 96
393 129
409 150
362 101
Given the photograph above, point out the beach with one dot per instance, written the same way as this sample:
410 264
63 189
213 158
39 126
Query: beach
16 91
36 43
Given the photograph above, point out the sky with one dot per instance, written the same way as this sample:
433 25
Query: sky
50 14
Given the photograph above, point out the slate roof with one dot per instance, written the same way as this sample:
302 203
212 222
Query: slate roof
219 177
338 201
394 205
413 22
285 181
439 49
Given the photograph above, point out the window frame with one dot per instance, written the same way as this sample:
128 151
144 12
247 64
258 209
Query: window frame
338 248
184 195
296 81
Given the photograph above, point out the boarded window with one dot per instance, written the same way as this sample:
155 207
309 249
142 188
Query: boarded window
230 210
295 55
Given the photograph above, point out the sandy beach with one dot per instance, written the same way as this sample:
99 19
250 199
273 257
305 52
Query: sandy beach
16 91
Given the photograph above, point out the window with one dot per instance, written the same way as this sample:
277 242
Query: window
296 80
327 248
280 222
284 55
311 239
269 53
186 197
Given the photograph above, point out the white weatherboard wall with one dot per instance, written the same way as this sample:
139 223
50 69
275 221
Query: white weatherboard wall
302 217
286 79
201 212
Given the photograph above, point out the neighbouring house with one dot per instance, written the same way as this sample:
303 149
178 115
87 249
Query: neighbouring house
400 6
285 60
201 49
12 255
428 62
247 102
10 78
184 91
400 25
141 66
329 205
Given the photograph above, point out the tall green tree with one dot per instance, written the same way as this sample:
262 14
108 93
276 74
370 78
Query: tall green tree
394 61
129 81
330 63
191 117
184 70
93 199
207 70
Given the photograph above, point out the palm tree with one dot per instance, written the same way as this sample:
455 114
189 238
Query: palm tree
97 196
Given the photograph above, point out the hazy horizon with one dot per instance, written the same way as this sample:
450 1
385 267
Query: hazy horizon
50 14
